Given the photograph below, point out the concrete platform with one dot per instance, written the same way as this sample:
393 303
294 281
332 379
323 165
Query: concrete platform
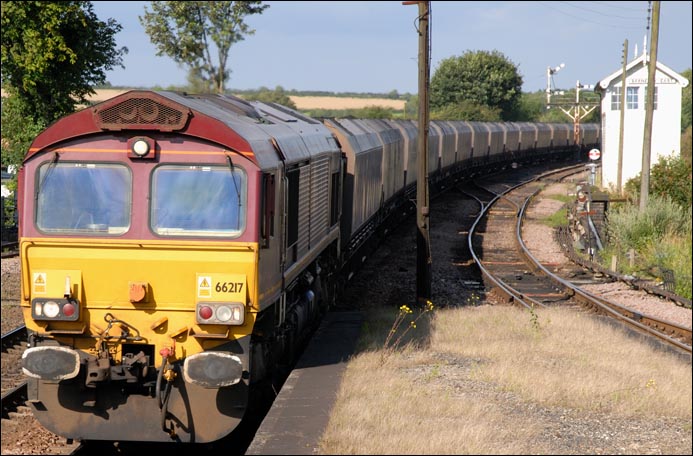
300 412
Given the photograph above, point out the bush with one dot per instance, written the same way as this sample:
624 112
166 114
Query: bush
660 236
630 228
686 145
670 178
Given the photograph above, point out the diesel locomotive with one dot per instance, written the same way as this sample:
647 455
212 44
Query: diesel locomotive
176 248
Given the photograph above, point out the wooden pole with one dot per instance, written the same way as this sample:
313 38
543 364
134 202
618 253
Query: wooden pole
423 248
619 169
649 110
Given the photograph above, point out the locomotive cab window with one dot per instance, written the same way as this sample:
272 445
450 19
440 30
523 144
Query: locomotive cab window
198 201
83 198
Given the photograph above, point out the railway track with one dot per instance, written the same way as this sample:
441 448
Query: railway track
10 249
519 278
14 385
501 262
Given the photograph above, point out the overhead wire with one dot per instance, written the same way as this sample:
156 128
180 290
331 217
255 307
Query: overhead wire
612 24
580 6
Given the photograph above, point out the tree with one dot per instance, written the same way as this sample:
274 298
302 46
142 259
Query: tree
411 107
278 95
374 112
686 101
687 144
183 30
467 110
53 54
531 106
18 131
480 77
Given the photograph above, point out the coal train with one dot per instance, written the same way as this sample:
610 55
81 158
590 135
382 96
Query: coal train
177 248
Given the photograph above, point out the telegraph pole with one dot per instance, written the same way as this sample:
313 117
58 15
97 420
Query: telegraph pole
619 170
649 110
423 247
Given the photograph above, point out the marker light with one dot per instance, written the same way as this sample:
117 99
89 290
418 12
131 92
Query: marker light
69 309
206 312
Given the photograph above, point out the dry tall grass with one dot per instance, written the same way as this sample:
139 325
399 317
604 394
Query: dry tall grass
486 380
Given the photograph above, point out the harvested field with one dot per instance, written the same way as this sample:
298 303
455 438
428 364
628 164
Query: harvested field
345 103
301 102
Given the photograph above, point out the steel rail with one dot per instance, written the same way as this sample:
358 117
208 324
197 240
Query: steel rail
644 322
511 293
13 338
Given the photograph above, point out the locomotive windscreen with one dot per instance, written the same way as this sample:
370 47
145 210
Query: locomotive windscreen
81 198
198 201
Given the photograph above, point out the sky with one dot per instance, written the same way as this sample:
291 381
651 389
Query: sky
372 46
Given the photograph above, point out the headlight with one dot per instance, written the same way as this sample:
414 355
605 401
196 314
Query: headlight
51 309
140 147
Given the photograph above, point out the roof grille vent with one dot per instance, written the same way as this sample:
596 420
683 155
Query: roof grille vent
139 113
